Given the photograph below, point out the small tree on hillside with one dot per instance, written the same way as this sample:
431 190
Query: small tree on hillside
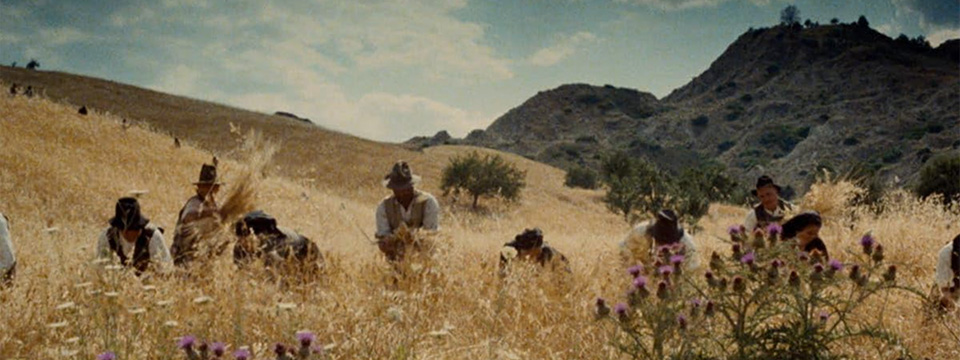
790 15
33 64
581 177
862 22
482 175
941 175
633 185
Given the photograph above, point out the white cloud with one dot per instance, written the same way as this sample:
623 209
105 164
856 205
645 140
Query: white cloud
932 14
562 49
62 35
671 5
891 30
941 36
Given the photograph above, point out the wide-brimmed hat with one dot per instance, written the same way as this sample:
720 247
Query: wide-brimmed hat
765 180
259 221
400 177
127 215
528 239
208 175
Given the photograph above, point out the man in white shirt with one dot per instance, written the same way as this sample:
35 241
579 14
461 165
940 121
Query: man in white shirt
8 259
642 244
132 240
771 208
948 273
407 208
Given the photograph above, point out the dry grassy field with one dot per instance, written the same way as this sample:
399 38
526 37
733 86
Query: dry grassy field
60 174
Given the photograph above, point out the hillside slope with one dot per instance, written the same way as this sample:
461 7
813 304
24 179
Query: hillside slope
785 100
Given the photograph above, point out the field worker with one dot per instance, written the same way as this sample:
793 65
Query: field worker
528 246
258 236
771 208
407 207
948 273
644 242
203 205
133 240
805 228
8 259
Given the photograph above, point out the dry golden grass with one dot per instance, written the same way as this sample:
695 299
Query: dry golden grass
63 170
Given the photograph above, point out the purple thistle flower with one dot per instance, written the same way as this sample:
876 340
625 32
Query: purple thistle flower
709 308
867 241
776 263
696 302
635 270
109 355
279 349
774 229
601 302
662 289
676 259
640 282
734 230
620 309
306 338
739 285
818 268
187 342
803 256
748 258
682 322
242 354
665 270
836 265
824 315
218 348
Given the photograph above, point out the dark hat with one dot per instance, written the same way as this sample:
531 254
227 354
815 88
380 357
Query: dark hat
765 180
208 175
127 215
400 177
260 222
528 239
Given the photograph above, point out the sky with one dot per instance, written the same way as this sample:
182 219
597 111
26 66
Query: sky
390 70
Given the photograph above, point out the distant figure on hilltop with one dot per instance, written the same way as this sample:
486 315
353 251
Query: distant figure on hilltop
281 249
771 208
33 64
948 274
13 89
528 246
408 208
643 244
131 239
201 206
29 91
8 259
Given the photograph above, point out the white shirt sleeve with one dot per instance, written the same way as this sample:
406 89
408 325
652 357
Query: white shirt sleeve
636 246
7 255
431 214
158 250
103 247
944 275
383 225
750 221
692 256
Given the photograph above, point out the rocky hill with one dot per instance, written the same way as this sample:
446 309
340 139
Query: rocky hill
787 100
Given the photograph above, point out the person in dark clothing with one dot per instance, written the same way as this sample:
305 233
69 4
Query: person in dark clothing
132 240
805 228
529 246
280 248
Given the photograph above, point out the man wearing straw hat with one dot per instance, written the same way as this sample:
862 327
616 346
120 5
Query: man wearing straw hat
407 208
203 205
8 259
771 209
132 239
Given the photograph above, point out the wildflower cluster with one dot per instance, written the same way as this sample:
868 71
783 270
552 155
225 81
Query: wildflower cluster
766 299
305 349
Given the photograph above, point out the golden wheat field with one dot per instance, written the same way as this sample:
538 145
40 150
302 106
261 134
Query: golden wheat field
60 174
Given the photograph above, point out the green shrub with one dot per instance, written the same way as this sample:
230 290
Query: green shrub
851 141
726 145
581 177
940 175
483 175
891 155
700 121
784 137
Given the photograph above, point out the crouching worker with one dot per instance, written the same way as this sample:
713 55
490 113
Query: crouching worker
948 274
8 259
281 249
529 247
643 244
805 228
132 240
404 217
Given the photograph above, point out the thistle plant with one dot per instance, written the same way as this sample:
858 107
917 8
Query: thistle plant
766 300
